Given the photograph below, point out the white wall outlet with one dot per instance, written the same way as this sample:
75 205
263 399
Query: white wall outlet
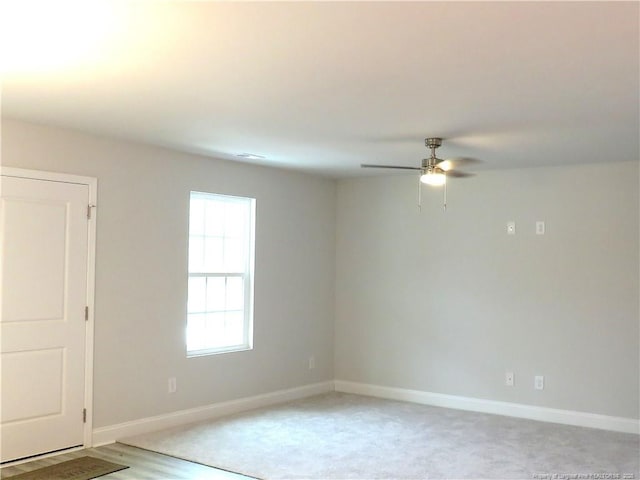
538 382
312 362
511 228
509 379
172 386
539 227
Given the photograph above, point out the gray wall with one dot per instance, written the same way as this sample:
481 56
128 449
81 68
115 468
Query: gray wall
447 302
143 200
423 300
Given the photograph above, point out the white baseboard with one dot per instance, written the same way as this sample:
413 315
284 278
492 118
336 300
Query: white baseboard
109 434
567 417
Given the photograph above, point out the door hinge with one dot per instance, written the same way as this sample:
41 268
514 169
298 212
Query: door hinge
84 415
89 207
86 313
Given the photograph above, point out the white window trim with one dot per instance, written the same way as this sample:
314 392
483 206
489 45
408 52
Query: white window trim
248 275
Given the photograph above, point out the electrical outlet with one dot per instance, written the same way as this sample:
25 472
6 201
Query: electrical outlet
172 385
539 227
509 379
312 362
538 383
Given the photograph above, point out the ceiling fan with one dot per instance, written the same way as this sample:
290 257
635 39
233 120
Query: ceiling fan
434 171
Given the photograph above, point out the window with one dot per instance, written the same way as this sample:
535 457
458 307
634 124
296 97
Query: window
220 290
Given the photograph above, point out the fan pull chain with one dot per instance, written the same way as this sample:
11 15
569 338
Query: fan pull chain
419 195
444 197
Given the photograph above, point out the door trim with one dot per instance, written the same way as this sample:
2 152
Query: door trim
92 183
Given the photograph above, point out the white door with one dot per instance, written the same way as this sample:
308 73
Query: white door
43 247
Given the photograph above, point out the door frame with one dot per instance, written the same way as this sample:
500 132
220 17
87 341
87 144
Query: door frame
92 183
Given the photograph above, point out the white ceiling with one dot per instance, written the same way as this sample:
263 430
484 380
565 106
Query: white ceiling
324 87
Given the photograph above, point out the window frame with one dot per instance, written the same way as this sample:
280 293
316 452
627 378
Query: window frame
247 275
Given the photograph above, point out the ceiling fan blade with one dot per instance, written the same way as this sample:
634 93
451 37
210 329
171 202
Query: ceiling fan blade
368 165
458 174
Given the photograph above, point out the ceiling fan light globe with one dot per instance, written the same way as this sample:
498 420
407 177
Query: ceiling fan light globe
434 179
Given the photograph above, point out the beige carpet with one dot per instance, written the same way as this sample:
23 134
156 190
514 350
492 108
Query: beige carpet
343 436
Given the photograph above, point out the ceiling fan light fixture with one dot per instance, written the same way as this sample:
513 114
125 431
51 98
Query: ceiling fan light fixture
445 165
435 179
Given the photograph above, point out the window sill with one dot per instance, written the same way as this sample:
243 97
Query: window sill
218 351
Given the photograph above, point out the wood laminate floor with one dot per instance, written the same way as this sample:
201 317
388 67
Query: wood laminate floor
143 465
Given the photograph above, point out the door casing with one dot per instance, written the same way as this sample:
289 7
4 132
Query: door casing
92 184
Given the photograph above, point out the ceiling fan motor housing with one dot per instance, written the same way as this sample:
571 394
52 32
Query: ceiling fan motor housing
429 163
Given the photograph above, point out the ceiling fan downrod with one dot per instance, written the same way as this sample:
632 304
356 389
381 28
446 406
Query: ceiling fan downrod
433 143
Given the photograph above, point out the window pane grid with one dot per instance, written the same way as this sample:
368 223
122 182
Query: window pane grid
217 253
213 296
